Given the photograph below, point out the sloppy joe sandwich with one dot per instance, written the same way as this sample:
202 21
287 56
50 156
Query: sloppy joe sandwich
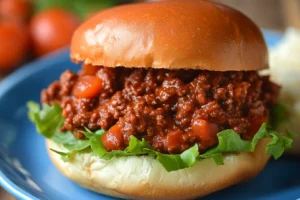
168 103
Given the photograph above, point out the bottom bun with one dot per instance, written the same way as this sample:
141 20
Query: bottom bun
144 178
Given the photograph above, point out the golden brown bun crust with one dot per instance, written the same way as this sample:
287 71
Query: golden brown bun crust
144 178
190 34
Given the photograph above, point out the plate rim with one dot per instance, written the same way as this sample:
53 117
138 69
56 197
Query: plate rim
10 81
14 189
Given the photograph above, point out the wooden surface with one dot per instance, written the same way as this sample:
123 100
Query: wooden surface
271 14
5 196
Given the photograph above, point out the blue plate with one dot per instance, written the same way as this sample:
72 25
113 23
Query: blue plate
27 173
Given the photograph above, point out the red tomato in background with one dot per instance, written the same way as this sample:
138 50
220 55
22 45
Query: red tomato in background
52 29
14 43
16 9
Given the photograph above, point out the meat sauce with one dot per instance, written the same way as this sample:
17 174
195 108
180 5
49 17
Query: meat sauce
171 109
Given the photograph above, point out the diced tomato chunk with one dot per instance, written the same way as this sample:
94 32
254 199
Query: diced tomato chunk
87 87
205 132
113 139
174 140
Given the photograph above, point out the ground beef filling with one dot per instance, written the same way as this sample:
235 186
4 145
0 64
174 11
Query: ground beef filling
171 109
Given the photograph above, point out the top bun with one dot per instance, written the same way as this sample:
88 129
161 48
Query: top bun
176 34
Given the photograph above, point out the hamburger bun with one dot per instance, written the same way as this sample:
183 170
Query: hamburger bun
175 34
144 178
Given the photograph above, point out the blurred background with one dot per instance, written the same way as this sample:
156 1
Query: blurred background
30 29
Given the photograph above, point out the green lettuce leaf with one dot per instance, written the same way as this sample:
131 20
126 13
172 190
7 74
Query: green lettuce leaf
83 8
77 145
291 134
278 144
63 138
173 162
218 158
278 115
48 121
230 142
65 156
137 147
